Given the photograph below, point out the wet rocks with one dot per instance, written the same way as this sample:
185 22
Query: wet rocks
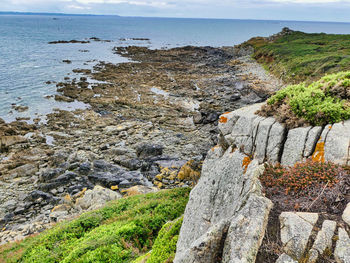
69 42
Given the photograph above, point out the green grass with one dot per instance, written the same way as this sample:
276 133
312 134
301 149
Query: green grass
299 56
119 232
322 102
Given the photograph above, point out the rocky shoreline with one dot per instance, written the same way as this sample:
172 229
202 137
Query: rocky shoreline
150 125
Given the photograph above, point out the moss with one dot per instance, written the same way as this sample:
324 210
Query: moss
298 56
164 247
322 102
119 232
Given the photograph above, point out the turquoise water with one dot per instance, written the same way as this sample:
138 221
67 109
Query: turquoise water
27 61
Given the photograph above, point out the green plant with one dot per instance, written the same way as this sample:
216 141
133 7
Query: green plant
119 232
298 56
320 103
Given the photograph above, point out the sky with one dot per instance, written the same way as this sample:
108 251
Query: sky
302 10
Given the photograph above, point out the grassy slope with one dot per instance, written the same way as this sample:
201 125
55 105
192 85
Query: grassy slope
300 57
119 232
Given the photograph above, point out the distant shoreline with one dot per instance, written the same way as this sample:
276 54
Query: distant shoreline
153 17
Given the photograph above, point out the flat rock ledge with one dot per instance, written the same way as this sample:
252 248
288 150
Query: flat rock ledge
266 140
217 223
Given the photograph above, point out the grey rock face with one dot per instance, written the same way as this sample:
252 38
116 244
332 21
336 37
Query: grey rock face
346 214
275 141
323 240
223 194
295 231
96 198
268 140
311 140
262 138
342 249
294 147
246 231
338 143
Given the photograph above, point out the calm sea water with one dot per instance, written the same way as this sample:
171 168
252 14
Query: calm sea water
27 61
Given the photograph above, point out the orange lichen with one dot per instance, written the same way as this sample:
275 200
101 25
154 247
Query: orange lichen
246 162
223 119
318 155
215 147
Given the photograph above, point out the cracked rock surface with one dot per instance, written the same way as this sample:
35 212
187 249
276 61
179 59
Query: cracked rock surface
227 196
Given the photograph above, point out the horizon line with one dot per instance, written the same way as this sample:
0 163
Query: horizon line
207 18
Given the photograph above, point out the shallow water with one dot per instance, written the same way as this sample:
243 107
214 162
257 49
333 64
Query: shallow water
27 61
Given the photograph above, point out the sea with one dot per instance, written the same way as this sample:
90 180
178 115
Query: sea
28 62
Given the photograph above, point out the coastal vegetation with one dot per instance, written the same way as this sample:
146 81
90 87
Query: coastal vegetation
120 232
320 103
295 56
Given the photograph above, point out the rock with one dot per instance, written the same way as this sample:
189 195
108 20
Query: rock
6 141
25 170
84 168
224 195
346 214
247 231
296 229
101 165
338 143
275 141
96 198
284 258
50 174
10 205
267 140
342 249
207 248
59 216
294 147
106 179
262 139
139 189
39 195
144 151
323 240
312 137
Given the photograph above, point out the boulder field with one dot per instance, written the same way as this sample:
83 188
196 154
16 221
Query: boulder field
228 216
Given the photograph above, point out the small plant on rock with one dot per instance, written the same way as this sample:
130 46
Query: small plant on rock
307 186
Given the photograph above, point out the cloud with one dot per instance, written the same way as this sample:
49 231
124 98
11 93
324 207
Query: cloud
336 10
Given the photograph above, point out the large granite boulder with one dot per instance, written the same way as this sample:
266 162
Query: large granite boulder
218 218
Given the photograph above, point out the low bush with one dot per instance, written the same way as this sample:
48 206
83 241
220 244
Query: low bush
320 103
119 232
308 186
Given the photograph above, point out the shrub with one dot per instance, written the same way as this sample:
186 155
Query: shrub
309 185
119 232
320 103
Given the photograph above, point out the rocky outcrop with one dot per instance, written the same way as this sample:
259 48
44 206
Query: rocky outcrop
266 140
226 217
217 222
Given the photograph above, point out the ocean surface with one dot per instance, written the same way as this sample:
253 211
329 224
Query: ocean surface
27 61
